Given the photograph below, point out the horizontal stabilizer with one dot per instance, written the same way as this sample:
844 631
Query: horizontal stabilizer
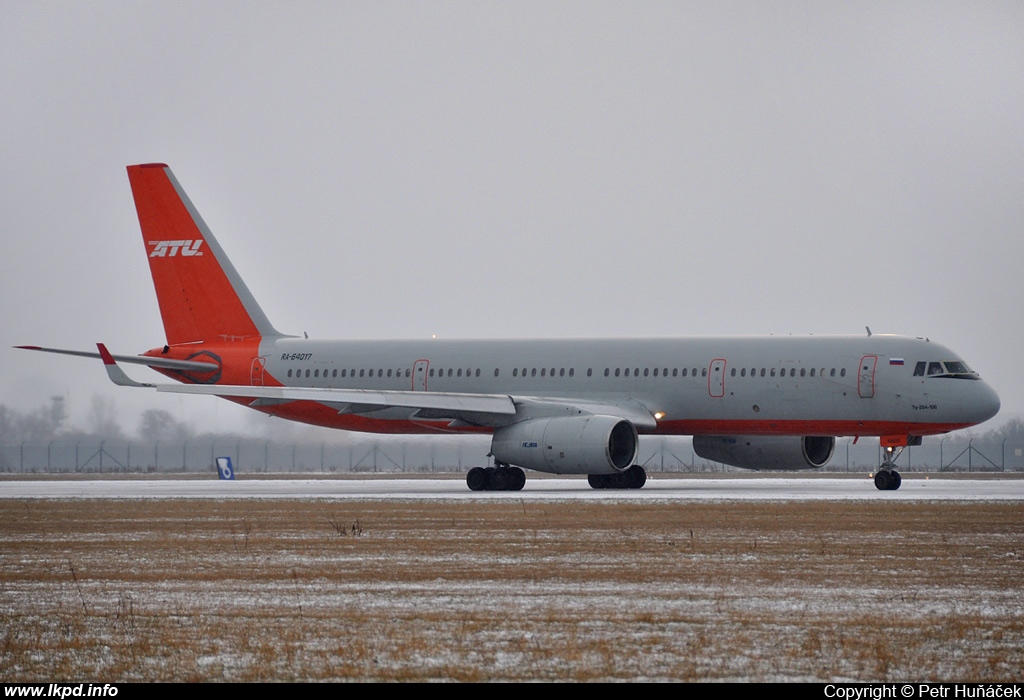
158 362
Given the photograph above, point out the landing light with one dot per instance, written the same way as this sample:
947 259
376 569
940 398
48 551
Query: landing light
659 415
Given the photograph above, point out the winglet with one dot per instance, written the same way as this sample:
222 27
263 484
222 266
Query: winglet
115 373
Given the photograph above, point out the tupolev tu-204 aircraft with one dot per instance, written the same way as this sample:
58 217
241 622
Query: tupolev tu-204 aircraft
560 406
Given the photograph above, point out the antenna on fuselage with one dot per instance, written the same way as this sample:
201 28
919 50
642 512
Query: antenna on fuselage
868 328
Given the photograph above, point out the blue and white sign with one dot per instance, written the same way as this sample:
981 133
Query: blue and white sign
224 469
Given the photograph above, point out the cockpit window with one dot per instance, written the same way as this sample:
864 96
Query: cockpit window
948 368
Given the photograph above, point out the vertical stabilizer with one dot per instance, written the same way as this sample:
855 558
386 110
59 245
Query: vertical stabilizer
201 296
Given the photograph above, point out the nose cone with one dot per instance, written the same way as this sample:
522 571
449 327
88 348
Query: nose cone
983 403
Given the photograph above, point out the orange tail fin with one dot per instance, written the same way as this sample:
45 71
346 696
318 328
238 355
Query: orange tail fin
201 296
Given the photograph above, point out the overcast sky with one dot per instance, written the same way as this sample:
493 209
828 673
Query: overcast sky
489 169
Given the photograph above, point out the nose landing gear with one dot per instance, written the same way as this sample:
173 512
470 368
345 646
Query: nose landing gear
887 478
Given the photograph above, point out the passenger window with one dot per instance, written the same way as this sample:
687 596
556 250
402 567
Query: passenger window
773 371
617 370
803 372
733 372
289 373
515 372
646 371
842 372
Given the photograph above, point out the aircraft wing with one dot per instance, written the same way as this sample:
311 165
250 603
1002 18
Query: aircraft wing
490 410
356 400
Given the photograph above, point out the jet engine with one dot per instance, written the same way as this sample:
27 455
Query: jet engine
590 444
759 452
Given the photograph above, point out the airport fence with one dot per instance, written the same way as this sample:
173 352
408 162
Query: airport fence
410 455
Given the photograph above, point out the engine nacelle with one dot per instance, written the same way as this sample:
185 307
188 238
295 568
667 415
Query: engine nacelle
568 445
759 452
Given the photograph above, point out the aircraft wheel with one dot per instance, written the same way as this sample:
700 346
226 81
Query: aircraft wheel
882 480
477 479
895 480
597 481
636 477
499 480
517 480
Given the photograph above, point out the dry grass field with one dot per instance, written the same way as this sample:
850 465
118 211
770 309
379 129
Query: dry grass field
252 590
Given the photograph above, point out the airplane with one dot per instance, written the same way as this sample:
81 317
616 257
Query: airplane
569 406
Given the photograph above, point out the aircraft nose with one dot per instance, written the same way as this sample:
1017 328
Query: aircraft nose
986 403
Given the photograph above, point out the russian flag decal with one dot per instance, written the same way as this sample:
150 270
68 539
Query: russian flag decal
896 361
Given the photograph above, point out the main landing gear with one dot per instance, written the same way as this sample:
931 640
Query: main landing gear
633 478
887 478
499 478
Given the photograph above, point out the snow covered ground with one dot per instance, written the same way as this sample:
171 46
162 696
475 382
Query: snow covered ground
418 579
